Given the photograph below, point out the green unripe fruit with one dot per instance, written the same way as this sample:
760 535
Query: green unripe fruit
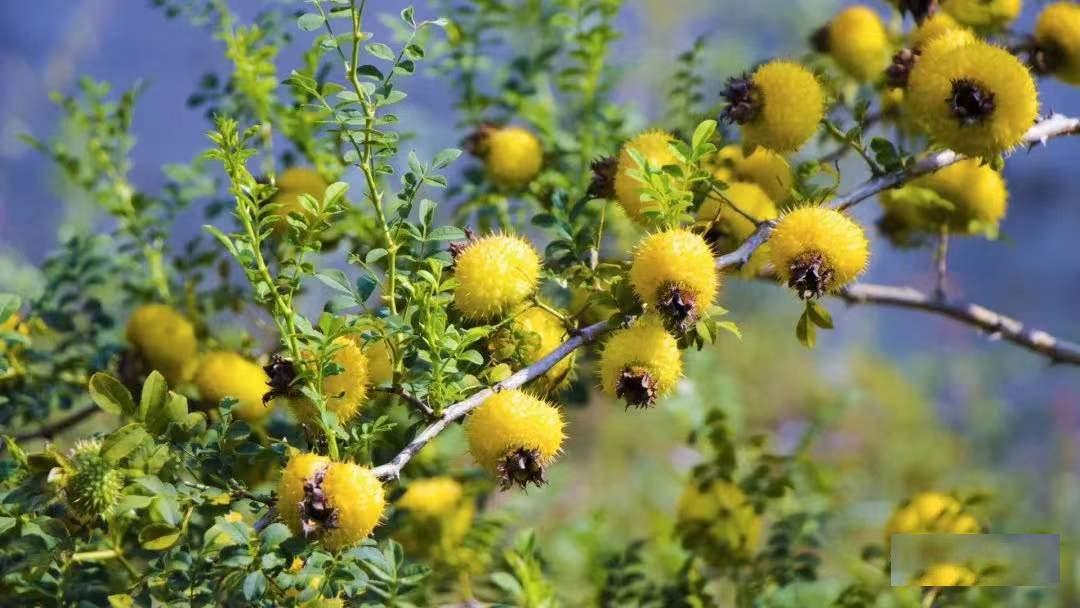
92 488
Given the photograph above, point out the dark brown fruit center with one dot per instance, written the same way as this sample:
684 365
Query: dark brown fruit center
970 102
637 387
520 468
811 275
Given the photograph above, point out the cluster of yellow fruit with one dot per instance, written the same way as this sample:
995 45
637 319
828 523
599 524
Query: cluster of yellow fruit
935 513
166 341
717 521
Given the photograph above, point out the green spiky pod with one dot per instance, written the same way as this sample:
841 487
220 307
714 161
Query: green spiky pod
93 485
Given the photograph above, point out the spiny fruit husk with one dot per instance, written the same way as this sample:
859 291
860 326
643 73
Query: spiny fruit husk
810 275
281 373
521 467
744 100
678 308
316 512
92 488
896 75
637 387
971 103
604 171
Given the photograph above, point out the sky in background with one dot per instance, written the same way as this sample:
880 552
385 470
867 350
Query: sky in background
1033 273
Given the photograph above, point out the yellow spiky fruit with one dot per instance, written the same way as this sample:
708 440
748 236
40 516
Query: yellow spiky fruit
640 364
931 512
784 105
655 148
674 273
858 42
1057 40
512 155
346 391
337 503
224 374
515 436
165 339
947 575
432 497
763 167
494 274
938 24
380 358
13 324
718 522
817 250
983 14
536 333
974 193
750 198
292 184
976 99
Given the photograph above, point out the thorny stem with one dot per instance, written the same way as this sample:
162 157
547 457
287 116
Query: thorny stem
941 258
367 158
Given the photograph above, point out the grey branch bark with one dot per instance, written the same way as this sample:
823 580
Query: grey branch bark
392 469
995 324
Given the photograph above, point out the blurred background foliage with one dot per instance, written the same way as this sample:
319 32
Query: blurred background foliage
890 404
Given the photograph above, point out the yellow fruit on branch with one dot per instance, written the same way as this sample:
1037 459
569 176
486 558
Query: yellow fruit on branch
515 436
336 503
856 39
817 250
769 170
641 363
779 107
432 497
345 391
983 14
1057 42
531 336
655 148
293 183
930 29
968 197
512 156
380 358
674 273
931 512
725 226
165 339
494 274
225 374
947 575
717 521
975 98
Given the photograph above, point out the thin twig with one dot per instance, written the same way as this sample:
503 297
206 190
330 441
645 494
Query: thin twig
1057 125
941 259
52 429
409 398
995 324
392 469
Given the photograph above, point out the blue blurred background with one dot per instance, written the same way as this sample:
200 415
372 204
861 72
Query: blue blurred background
1032 273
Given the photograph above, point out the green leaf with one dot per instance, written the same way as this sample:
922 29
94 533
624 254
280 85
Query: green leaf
703 133
730 327
123 441
164 510
309 22
9 304
336 280
380 51
154 393
274 535
445 157
158 537
819 315
110 395
254 585
446 233
375 255
805 331
173 410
